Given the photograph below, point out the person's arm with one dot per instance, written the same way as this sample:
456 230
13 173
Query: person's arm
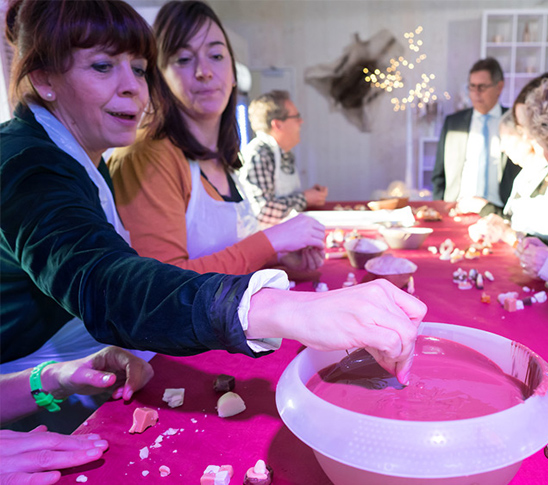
377 316
112 368
153 186
53 224
260 176
438 174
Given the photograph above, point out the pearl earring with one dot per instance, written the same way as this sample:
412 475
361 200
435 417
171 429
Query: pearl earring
49 95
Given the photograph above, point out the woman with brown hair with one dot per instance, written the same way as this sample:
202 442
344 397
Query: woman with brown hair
176 187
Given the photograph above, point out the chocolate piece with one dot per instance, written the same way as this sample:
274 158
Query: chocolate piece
224 383
527 300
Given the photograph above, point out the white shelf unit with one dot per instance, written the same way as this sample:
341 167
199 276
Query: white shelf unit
427 159
518 39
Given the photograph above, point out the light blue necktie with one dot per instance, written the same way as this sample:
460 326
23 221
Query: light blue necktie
486 154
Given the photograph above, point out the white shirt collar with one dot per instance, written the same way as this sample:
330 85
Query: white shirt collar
496 112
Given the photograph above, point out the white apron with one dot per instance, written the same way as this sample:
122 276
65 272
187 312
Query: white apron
284 183
213 225
72 341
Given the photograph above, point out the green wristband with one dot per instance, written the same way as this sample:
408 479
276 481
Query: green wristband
43 398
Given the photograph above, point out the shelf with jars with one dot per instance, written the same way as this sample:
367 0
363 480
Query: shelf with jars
518 39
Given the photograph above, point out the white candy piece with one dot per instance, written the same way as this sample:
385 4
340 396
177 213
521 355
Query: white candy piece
81 479
489 275
143 453
230 404
519 305
260 467
174 397
145 473
540 297
322 287
222 478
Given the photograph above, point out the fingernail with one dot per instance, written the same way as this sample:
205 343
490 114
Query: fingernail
100 444
93 452
106 378
93 437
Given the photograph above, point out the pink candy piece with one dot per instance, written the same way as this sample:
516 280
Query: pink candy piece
465 285
510 304
164 471
143 418
217 475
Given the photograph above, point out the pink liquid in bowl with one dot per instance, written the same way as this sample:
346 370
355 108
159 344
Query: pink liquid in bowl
448 381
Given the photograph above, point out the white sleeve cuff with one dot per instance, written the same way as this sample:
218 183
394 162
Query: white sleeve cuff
543 273
265 278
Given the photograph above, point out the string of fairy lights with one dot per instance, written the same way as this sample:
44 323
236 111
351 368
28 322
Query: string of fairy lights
392 79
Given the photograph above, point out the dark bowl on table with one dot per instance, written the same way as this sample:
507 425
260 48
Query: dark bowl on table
361 250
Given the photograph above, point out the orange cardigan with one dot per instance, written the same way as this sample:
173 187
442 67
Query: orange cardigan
152 184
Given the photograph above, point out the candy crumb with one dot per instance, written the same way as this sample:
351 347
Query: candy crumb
81 479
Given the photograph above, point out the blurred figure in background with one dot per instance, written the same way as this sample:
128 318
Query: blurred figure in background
533 116
269 164
470 168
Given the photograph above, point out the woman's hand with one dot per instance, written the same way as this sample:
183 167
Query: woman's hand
376 316
307 259
296 233
33 458
110 368
533 254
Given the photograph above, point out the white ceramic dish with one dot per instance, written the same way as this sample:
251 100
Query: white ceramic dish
354 448
405 237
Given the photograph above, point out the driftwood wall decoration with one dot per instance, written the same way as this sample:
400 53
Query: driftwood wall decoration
342 81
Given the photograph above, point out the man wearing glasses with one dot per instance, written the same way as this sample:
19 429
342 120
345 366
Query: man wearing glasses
470 167
269 165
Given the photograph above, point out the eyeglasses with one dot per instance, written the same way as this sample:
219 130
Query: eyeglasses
480 88
288 117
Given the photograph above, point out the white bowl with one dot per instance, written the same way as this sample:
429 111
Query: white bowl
406 237
354 448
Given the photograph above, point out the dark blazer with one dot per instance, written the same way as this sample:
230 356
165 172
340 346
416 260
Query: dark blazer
60 257
451 155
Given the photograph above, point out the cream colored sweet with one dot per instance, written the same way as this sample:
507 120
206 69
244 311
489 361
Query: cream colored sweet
174 397
230 404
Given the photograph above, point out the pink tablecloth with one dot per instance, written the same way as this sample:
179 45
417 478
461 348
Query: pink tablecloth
202 438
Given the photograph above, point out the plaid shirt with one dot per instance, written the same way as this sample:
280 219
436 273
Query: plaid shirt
260 165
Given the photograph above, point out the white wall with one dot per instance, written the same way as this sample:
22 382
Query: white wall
299 33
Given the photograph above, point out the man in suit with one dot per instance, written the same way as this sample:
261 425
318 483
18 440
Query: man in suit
470 167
